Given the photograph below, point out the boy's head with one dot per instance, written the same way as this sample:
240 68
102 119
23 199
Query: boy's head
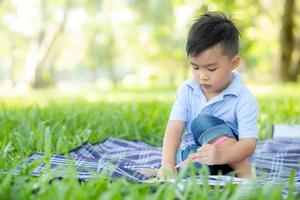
212 49
211 29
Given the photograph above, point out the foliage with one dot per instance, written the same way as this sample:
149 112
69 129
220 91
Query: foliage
114 39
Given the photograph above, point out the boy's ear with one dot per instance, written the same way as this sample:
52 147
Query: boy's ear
235 61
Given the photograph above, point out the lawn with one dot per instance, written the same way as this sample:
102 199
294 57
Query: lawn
57 121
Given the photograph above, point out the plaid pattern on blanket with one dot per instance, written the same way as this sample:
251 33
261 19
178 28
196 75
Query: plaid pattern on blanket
273 160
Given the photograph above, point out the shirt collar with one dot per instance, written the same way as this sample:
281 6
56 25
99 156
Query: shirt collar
235 86
233 89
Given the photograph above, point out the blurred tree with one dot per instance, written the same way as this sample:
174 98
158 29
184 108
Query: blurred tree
126 37
40 71
165 46
103 41
109 47
9 44
44 43
12 63
289 69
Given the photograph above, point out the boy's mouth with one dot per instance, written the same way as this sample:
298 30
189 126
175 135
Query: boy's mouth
205 87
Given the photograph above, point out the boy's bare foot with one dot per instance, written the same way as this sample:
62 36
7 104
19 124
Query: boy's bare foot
244 170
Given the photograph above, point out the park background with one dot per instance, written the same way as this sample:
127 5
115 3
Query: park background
136 43
79 70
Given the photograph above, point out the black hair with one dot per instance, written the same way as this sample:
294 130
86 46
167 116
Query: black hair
210 29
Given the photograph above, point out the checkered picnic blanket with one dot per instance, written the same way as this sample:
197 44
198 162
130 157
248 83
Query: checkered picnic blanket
273 160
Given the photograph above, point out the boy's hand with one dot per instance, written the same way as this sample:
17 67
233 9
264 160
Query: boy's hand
166 171
206 154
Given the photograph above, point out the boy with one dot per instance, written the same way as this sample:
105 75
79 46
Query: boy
214 105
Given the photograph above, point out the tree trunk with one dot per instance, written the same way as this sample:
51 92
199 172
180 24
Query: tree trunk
295 66
296 70
45 49
46 42
108 7
286 41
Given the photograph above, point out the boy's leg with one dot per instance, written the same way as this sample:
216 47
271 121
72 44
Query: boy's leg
207 129
241 168
184 154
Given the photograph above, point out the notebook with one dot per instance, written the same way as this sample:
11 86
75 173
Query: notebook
286 130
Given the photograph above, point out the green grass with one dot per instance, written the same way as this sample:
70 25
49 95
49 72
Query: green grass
55 122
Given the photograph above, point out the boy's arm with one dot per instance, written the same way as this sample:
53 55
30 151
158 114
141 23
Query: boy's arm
174 131
211 155
240 150
247 114
172 139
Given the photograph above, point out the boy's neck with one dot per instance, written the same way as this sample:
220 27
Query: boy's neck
211 95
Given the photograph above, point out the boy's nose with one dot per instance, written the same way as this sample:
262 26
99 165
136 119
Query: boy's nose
202 77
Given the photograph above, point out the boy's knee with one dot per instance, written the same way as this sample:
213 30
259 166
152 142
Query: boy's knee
228 142
197 127
206 128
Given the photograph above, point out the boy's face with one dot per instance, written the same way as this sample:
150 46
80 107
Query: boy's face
212 69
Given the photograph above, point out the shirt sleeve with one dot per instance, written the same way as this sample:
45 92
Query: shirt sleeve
247 114
179 110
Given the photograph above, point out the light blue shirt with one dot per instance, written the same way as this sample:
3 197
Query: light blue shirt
235 105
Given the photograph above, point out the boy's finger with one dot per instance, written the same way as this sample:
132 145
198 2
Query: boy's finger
192 156
202 159
202 149
197 155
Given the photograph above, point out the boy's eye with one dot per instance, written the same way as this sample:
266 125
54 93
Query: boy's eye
195 68
211 69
